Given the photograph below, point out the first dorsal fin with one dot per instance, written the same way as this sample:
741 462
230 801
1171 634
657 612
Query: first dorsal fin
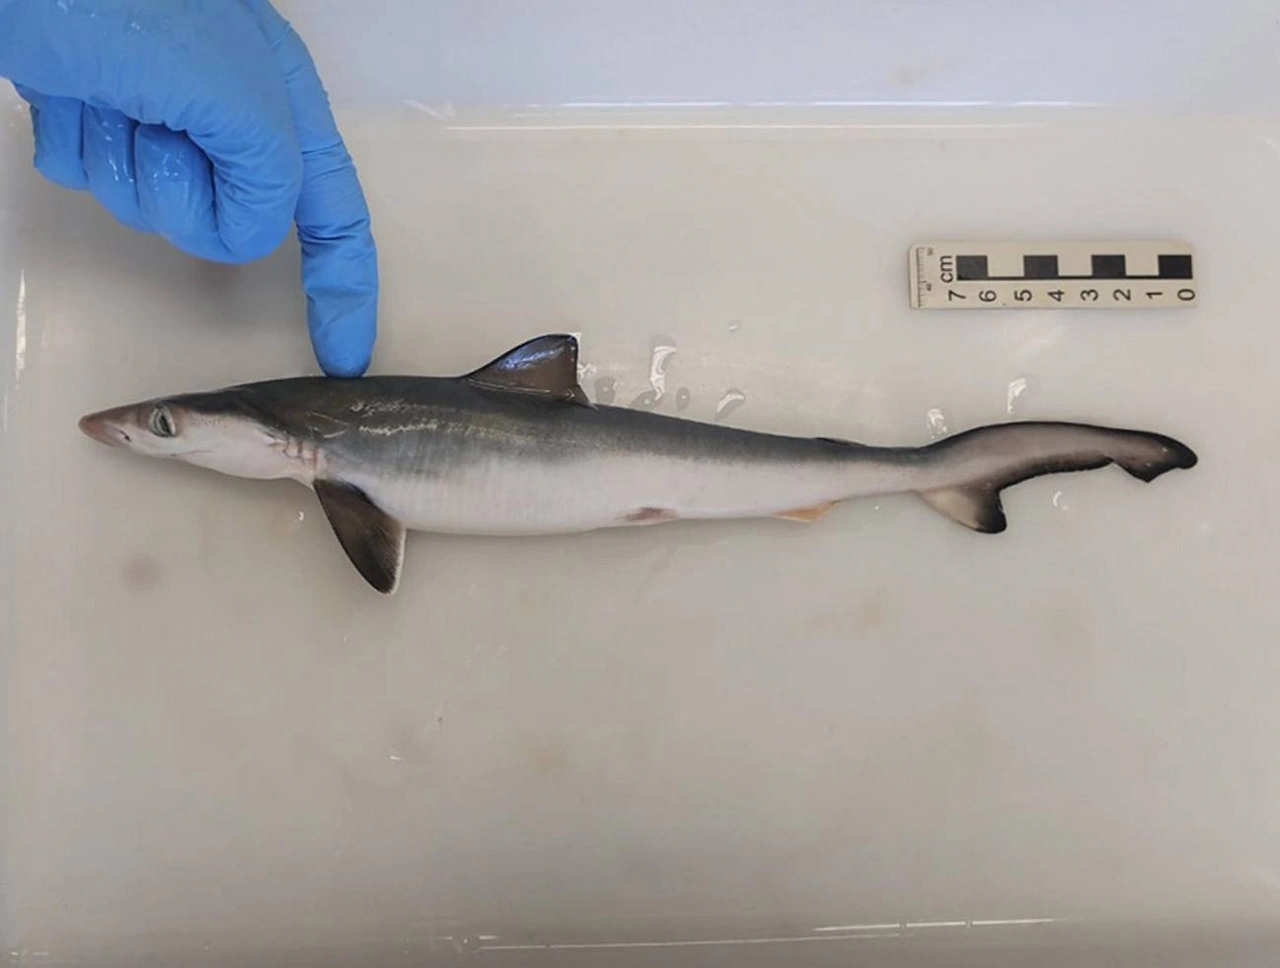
546 366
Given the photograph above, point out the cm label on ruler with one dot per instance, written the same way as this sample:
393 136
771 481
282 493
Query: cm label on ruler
1052 275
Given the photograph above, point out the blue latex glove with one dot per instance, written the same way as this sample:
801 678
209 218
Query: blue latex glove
204 121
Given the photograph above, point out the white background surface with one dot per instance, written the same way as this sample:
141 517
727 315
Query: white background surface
219 739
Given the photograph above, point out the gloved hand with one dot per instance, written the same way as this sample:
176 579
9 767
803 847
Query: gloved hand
204 121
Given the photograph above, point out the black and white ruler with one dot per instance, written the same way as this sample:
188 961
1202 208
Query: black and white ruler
1052 275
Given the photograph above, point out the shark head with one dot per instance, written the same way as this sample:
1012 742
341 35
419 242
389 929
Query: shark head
219 431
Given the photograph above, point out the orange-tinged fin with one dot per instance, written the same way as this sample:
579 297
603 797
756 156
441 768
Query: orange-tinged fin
807 515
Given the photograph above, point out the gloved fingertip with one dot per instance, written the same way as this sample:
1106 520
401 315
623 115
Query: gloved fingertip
344 358
345 367
247 241
63 170
343 343
56 126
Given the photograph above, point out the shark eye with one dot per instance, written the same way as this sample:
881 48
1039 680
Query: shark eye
162 422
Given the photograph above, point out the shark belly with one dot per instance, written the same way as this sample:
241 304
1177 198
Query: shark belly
510 495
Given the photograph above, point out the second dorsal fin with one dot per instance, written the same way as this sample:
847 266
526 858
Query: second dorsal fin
546 366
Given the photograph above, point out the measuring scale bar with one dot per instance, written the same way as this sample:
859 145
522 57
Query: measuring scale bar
1052 275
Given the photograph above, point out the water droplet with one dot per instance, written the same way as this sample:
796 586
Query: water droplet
661 349
352 626
937 421
735 325
646 401
1013 401
295 524
1059 502
733 398
606 390
683 398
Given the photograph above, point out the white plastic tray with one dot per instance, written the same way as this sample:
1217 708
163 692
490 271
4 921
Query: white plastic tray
880 737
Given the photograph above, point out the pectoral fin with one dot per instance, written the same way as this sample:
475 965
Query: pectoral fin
372 539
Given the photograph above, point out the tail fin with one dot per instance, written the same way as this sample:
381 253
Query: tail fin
972 468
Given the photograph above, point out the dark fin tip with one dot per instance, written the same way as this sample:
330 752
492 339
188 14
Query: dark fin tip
372 539
991 523
977 507
995 524
1186 457
1175 456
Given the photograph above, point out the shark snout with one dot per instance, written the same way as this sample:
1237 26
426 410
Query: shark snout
102 428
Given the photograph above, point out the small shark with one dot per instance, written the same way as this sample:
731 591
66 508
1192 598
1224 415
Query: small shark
516 448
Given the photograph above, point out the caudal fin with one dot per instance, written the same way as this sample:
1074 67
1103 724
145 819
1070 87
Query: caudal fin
972 468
